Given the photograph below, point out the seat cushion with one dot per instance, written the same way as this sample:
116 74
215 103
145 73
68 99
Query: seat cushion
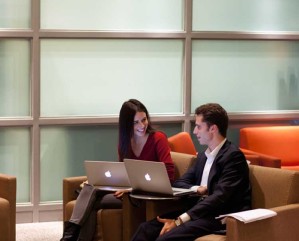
181 162
281 190
212 237
69 209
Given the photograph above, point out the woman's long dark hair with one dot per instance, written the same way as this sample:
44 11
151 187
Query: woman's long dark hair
126 125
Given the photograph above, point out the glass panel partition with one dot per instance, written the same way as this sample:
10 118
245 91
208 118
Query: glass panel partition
242 15
94 77
14 78
15 158
15 14
246 75
134 15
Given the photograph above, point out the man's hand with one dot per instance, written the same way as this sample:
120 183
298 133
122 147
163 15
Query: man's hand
202 190
168 225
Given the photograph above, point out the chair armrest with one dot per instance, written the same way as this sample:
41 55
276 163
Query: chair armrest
254 159
70 184
8 187
265 160
284 226
8 191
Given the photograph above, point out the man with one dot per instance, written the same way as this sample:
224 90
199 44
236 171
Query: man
220 176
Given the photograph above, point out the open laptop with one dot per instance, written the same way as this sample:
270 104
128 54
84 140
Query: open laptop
148 177
107 175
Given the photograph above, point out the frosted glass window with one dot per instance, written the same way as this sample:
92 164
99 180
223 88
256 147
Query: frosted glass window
243 15
112 15
246 75
15 158
64 149
94 77
15 13
14 78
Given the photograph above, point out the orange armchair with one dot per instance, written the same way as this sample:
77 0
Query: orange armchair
276 142
182 143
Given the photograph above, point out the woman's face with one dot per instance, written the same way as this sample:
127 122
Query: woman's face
140 124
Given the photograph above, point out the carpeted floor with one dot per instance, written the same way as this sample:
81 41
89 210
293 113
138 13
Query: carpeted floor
43 231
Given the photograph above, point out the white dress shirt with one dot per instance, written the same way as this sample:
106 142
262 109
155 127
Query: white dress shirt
211 155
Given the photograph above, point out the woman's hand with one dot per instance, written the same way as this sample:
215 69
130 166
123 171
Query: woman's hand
83 183
119 194
168 224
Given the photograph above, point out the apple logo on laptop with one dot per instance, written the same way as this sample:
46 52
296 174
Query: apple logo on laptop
108 174
147 177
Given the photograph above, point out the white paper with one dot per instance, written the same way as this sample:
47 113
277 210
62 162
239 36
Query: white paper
250 215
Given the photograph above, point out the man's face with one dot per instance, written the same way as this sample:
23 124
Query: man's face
202 131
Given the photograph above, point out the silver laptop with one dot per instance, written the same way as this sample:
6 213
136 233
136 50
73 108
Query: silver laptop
107 175
151 178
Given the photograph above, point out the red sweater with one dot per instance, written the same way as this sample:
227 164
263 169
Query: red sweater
157 148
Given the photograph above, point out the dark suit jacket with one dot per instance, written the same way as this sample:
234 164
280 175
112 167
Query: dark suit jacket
229 188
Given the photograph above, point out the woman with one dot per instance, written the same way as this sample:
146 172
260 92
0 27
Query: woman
137 140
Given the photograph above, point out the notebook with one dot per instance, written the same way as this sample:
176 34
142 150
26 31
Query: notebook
148 177
107 175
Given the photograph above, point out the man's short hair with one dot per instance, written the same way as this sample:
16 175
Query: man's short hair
214 114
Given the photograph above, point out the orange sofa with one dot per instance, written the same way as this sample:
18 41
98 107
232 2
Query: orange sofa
276 142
